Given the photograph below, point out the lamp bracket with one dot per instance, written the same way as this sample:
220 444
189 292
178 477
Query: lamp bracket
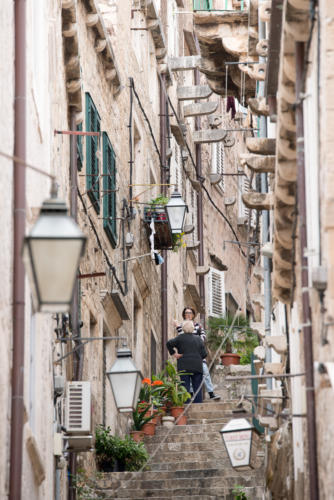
87 340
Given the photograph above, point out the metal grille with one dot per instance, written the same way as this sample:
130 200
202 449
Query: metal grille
75 407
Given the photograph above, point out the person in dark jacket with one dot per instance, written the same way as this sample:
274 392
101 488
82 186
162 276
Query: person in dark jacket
189 351
188 313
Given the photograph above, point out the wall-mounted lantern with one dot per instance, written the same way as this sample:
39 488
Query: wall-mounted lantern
51 255
125 381
176 210
241 441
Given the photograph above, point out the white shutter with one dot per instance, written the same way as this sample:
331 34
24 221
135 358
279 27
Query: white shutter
78 408
176 166
216 293
243 187
217 160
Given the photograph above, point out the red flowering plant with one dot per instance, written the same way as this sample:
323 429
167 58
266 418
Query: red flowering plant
150 394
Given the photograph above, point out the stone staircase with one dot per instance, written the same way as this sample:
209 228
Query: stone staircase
191 463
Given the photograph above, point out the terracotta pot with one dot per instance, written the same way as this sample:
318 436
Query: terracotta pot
137 436
176 411
157 419
229 358
149 429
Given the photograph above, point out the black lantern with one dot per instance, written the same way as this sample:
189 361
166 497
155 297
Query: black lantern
176 210
241 441
51 255
125 381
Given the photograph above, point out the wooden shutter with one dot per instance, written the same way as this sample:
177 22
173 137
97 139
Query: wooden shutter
216 293
109 191
217 160
92 161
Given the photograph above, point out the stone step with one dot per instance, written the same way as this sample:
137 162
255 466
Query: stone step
188 497
210 414
255 493
213 406
202 437
188 429
194 463
190 446
207 421
171 483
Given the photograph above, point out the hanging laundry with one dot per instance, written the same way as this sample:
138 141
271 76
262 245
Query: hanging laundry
230 105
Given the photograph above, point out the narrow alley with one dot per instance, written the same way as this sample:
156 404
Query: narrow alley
167 297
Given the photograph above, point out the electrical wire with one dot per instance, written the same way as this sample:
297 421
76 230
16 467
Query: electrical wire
111 267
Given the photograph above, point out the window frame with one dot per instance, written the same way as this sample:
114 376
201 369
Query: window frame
109 199
93 124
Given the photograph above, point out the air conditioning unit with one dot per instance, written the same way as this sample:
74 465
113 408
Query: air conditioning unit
78 408
79 443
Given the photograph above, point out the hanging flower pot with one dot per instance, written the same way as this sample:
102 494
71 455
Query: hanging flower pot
176 411
230 358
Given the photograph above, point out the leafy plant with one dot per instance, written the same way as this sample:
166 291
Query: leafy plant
178 241
139 418
110 448
159 200
240 339
175 391
239 492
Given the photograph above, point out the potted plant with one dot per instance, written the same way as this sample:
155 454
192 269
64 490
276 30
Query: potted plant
114 454
239 341
176 394
156 209
140 418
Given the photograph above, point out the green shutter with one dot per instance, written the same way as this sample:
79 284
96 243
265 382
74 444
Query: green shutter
109 191
79 147
92 162
202 4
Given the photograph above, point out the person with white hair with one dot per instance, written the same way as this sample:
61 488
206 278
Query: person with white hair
189 351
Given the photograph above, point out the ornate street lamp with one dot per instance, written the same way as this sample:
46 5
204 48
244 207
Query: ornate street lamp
51 255
176 210
125 381
241 441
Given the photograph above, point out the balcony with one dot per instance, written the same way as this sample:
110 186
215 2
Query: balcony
227 35
163 239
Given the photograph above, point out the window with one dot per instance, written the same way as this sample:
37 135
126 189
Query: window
243 187
202 4
176 166
79 147
216 293
109 191
217 161
92 147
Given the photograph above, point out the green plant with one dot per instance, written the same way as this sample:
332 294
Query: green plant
240 338
110 448
239 492
175 391
139 418
159 200
178 241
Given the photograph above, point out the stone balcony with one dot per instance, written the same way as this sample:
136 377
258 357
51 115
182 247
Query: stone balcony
225 37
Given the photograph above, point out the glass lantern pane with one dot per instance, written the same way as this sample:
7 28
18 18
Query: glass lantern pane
238 446
55 263
176 216
123 386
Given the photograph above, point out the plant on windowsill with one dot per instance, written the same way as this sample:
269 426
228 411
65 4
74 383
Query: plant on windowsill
115 454
239 343
156 209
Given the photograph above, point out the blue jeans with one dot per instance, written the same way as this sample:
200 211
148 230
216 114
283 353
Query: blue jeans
207 378
195 379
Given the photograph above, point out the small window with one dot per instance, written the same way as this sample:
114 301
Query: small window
217 161
202 4
216 293
92 147
109 191
79 147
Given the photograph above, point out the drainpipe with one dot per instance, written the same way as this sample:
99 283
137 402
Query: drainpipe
265 219
78 356
17 403
198 150
164 266
306 309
